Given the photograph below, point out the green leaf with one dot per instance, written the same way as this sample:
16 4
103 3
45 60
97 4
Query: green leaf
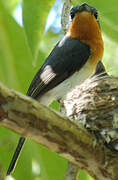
8 144
84 176
35 13
15 58
11 5
15 69
53 166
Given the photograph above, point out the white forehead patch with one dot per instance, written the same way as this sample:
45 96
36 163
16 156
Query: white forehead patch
47 75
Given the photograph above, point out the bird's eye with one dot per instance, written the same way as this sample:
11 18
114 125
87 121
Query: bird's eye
72 15
96 15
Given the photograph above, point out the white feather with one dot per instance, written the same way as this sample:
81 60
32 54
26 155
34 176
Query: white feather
67 86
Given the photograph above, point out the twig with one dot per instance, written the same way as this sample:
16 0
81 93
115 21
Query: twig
65 15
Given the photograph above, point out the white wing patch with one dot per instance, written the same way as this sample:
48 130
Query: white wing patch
65 88
47 75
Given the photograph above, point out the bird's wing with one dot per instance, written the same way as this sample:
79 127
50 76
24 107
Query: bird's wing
68 56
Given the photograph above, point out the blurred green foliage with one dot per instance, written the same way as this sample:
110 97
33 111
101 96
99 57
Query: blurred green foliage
22 51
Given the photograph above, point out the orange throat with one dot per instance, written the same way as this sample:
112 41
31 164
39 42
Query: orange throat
86 28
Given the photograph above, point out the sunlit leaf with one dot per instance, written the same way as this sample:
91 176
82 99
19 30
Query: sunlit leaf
35 13
15 58
11 4
15 67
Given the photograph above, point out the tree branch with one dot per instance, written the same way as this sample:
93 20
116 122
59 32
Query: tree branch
65 15
88 139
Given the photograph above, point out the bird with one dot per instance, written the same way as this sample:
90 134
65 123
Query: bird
72 60
100 70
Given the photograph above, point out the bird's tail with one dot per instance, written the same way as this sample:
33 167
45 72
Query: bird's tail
16 155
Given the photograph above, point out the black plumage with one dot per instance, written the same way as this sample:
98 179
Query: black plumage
68 56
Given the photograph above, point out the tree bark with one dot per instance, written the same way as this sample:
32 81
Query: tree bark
88 138
65 15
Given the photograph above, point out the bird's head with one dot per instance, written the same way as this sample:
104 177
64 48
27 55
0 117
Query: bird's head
85 23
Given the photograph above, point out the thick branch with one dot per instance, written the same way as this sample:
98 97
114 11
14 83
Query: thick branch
28 118
93 105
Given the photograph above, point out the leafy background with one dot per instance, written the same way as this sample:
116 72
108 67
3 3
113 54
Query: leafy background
22 51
